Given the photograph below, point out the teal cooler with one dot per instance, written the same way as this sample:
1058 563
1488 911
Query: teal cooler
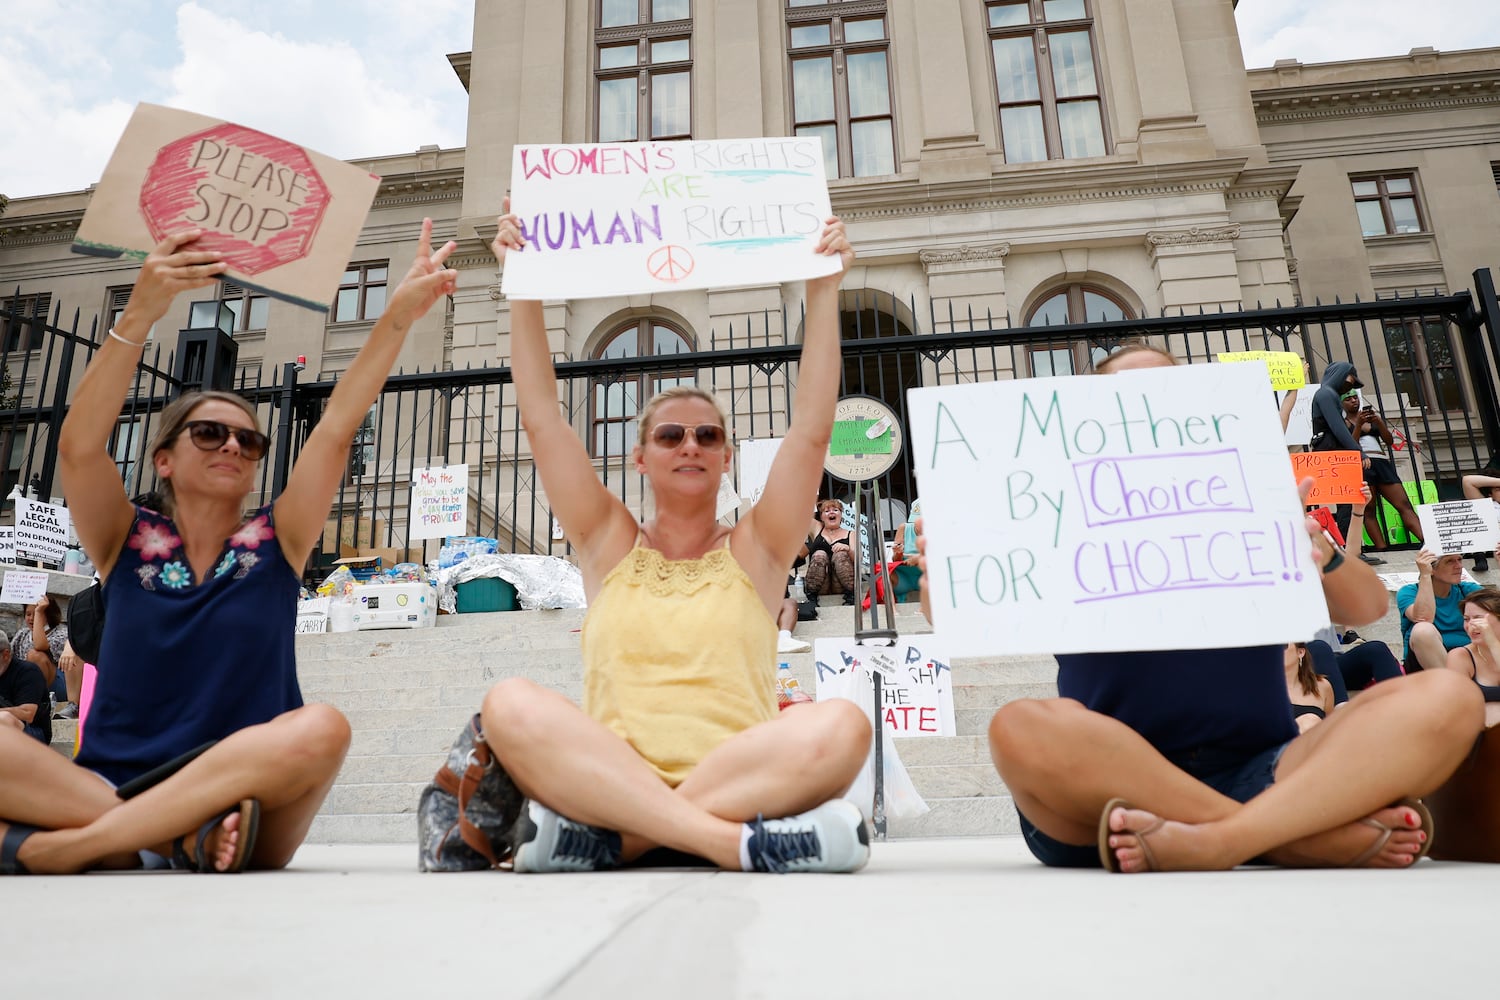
485 594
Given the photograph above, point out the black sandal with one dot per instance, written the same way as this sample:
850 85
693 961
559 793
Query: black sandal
10 848
249 810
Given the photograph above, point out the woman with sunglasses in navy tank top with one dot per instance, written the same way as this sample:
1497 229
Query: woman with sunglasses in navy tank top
678 743
198 639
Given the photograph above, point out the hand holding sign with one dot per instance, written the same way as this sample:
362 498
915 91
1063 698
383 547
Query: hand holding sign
1459 526
173 266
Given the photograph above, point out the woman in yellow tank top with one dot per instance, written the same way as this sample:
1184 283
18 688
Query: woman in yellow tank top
678 743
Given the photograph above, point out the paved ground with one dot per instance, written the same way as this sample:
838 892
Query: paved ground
932 918
926 919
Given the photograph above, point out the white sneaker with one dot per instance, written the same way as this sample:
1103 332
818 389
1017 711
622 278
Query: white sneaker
547 841
830 838
788 643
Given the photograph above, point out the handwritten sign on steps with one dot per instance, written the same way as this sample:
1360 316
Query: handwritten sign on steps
1152 509
439 501
626 218
916 683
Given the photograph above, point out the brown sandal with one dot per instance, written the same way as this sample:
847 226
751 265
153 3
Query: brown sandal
1416 806
1106 853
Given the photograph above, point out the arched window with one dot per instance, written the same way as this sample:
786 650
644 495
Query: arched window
1072 304
617 402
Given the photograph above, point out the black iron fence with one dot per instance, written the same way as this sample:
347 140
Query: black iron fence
1428 363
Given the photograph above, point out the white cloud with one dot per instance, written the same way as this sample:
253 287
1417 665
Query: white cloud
350 79
1332 30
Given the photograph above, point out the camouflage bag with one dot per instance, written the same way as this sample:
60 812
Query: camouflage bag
465 815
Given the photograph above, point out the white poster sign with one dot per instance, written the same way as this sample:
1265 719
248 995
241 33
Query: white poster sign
312 615
1459 526
41 531
755 457
7 544
1119 512
916 682
21 587
640 217
1299 421
439 502
728 501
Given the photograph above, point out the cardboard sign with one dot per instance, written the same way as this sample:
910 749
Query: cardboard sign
640 217
21 587
1284 366
1459 526
1119 512
41 531
312 616
1337 475
755 457
916 683
285 218
439 502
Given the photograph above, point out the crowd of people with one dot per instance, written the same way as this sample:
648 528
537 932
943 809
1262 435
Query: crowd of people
1151 760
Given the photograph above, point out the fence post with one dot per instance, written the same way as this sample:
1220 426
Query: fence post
1481 370
58 411
285 423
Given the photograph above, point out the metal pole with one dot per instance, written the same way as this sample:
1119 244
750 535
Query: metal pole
284 424
877 811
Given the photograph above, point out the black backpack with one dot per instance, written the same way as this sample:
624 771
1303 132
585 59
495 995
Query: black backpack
86 622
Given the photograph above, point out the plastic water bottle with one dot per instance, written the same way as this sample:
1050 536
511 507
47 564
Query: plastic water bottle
798 592
788 691
70 560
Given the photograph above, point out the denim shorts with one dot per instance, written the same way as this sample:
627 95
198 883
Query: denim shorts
1229 773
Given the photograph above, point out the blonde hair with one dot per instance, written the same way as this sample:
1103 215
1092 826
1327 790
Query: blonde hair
174 420
678 392
1128 348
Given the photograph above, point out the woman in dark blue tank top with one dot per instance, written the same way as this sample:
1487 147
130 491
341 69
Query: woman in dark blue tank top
201 607
1190 758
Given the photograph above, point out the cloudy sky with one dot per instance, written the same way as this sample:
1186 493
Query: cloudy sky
363 77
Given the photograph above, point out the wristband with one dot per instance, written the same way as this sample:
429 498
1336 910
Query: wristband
1334 563
125 340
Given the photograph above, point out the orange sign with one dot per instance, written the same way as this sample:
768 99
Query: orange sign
1338 475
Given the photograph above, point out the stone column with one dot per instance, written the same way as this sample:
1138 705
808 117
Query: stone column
1195 267
1169 129
950 141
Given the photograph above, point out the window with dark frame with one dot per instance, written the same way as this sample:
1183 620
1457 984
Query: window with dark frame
615 404
643 70
1387 205
1046 79
361 292
1424 365
1072 304
841 84
115 301
250 309
17 331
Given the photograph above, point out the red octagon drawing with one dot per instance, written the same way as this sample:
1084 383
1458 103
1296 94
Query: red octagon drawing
258 198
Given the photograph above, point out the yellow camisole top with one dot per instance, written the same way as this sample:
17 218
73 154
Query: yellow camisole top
678 655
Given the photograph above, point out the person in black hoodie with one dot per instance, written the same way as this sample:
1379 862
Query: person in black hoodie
1330 431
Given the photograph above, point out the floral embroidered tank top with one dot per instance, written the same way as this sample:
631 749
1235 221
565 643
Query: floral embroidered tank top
678 655
185 661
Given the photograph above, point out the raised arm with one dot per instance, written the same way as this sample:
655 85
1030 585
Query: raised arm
597 524
776 525
91 482
1423 607
1475 485
302 509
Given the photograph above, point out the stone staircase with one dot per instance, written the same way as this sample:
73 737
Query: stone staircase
406 693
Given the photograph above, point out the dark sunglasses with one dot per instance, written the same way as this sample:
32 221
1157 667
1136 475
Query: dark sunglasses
210 435
671 435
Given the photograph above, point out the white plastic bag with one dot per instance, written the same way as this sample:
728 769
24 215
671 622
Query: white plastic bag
901 797
902 800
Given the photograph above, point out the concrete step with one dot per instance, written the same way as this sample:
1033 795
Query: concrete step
956 781
987 816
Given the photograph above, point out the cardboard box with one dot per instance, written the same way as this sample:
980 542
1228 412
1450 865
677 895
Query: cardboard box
395 605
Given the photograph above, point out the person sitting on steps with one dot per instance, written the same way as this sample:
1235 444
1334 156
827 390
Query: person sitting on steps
679 742
830 554
1190 759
